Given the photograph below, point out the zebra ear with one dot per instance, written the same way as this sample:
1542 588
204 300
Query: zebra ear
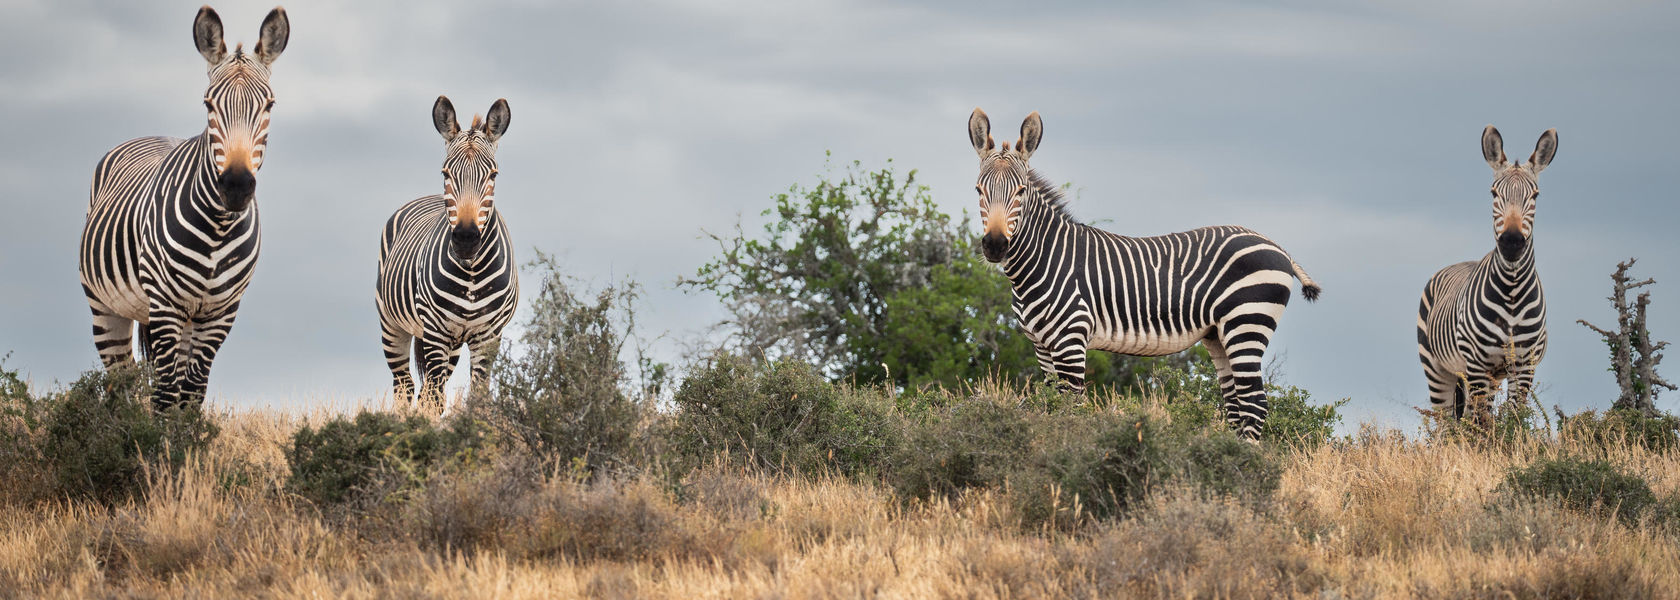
1032 129
207 35
443 118
271 40
496 121
1493 149
1544 150
980 133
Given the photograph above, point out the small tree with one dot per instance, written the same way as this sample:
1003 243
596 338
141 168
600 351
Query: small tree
864 277
1633 355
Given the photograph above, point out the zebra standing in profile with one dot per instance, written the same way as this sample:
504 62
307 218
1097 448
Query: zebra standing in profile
171 235
1480 323
447 276
1077 287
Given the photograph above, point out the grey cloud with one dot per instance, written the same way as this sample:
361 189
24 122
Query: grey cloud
1346 132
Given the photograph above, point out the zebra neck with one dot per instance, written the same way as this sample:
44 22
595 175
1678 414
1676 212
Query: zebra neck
1041 222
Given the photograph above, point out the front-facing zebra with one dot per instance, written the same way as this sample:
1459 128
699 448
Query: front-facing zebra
171 234
1077 287
1480 323
446 271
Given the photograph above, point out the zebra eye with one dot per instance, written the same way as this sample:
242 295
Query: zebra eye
1020 190
209 105
269 106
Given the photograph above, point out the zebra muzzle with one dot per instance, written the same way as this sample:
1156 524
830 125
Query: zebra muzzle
994 246
237 185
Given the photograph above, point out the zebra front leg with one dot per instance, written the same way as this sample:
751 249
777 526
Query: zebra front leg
166 346
398 345
437 363
113 337
484 351
207 338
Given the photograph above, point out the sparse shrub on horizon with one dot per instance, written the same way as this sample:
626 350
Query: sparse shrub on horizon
1659 432
1593 486
783 416
347 458
98 437
563 392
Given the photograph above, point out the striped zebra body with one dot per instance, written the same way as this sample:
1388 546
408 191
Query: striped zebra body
447 275
1078 288
172 233
1482 323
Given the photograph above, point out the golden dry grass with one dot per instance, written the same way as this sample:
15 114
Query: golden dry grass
1381 517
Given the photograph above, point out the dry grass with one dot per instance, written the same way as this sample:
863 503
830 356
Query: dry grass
1380 517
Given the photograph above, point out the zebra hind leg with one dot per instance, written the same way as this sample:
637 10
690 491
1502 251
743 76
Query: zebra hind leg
1244 341
113 337
1222 367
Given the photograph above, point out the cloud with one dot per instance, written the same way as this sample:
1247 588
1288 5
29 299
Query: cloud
1346 132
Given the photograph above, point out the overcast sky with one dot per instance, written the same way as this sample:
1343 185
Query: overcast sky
1350 135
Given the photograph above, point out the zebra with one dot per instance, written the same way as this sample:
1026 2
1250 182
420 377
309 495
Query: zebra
171 236
1076 287
1483 322
447 275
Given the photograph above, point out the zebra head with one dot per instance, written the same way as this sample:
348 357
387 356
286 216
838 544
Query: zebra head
1005 180
1515 190
239 101
469 172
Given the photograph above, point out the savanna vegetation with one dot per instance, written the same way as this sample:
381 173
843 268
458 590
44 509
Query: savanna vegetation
872 428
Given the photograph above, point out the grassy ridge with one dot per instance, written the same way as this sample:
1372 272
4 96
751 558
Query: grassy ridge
1379 515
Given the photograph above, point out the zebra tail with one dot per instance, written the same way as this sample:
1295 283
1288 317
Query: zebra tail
1309 288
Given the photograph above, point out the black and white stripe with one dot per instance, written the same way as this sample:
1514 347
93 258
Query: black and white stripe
1481 323
171 235
447 275
1077 287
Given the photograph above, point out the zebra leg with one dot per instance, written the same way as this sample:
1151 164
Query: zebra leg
1243 339
207 339
166 344
483 351
398 345
113 337
1222 366
437 362
1066 354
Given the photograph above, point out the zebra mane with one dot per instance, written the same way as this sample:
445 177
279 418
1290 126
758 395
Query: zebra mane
1050 193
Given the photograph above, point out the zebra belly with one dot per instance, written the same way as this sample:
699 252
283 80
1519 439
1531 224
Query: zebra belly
1138 343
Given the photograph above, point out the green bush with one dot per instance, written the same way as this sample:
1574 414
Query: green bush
1193 400
1063 463
1660 433
561 393
966 445
783 416
1218 463
101 434
346 459
1102 463
1588 485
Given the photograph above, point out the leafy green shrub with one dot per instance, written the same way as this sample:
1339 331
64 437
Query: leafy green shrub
23 476
1660 433
101 435
561 395
782 416
1094 465
1193 400
1587 485
967 445
343 459
1218 463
